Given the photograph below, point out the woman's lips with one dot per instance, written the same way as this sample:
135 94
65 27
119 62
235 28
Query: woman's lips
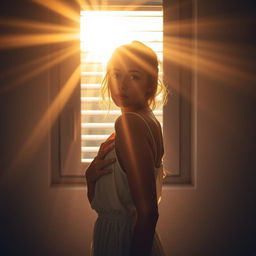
122 96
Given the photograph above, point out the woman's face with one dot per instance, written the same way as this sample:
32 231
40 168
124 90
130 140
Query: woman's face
128 84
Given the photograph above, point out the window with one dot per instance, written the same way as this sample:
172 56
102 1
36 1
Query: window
82 115
113 28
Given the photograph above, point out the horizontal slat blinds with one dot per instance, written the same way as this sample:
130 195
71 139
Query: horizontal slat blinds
101 32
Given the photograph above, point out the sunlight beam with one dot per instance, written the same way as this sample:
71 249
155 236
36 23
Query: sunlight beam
36 67
23 40
211 63
60 8
29 24
44 125
206 25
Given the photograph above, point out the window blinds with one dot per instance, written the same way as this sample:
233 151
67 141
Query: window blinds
97 123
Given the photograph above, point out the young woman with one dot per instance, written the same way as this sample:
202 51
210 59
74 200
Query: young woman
124 180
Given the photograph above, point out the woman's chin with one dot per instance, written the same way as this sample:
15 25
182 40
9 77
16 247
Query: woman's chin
121 103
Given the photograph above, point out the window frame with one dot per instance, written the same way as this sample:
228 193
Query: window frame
179 110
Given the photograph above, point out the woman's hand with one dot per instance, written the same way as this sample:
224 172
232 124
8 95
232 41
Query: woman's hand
95 170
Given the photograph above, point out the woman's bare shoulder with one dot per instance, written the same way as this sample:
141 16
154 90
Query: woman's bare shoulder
130 121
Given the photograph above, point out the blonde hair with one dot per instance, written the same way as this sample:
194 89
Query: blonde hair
139 52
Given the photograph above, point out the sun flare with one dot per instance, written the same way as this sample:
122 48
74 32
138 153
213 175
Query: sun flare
102 31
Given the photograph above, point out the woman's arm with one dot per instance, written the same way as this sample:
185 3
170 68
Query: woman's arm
90 190
136 156
95 169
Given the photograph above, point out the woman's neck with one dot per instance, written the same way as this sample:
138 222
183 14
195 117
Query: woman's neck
137 109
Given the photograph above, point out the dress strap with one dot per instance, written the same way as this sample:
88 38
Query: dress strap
154 142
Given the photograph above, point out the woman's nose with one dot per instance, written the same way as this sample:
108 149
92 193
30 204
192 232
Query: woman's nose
122 85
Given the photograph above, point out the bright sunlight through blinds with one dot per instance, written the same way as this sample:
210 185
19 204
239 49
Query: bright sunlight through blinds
100 33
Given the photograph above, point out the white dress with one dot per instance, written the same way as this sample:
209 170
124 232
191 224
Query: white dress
117 213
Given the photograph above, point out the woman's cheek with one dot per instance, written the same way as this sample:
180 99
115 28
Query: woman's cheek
115 100
114 88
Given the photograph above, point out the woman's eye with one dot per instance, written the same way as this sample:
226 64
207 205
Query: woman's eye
116 75
135 77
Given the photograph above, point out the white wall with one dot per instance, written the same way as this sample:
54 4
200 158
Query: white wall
215 217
